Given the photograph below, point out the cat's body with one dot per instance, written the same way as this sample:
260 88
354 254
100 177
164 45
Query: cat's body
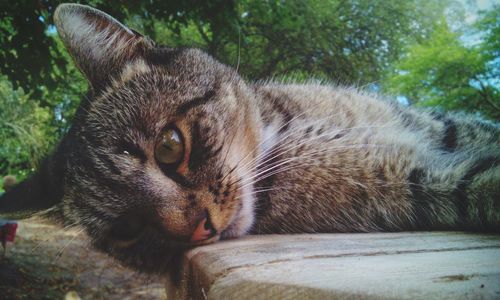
173 149
364 164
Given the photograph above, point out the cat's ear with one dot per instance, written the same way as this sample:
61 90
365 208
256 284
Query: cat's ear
98 43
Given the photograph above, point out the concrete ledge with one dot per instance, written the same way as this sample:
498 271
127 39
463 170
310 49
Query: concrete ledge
329 266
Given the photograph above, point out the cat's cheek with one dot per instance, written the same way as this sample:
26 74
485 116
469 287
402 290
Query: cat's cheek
244 218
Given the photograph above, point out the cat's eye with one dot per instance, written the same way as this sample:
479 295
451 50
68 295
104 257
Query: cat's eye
170 148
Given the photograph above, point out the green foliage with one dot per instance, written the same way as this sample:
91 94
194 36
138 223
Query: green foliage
350 41
29 57
489 24
26 131
442 71
347 41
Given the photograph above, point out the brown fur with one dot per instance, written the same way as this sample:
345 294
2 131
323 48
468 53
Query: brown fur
258 157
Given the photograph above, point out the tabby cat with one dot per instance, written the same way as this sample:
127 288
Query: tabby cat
172 149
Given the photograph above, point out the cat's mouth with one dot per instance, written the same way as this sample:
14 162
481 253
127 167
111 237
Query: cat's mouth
138 227
143 243
133 228
126 235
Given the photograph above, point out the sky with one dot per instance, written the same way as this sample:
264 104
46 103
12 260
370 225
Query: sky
471 14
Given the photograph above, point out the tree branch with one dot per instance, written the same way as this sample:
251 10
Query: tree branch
483 92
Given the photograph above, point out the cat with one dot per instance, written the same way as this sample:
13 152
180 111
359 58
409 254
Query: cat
172 149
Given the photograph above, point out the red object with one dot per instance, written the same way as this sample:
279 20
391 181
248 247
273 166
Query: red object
8 232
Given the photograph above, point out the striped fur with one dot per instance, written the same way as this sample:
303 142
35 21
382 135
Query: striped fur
259 157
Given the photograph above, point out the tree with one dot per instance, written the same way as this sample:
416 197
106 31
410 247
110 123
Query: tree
348 41
443 72
31 58
26 131
489 81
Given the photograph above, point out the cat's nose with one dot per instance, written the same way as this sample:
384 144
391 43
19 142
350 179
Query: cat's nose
204 230
131 226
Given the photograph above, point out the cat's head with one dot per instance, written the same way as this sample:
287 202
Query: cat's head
155 160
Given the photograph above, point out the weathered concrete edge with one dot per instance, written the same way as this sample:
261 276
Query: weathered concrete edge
197 279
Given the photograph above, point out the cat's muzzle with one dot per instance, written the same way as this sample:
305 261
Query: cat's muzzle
133 226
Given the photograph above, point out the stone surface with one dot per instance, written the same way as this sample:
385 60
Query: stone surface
419 265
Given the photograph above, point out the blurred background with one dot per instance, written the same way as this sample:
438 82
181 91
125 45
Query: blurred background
439 53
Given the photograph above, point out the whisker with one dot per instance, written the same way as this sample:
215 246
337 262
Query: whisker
239 50
60 252
307 141
258 192
309 155
37 245
296 129
285 136
225 157
265 140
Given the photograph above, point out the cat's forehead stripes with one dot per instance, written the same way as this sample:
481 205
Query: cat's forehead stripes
133 69
162 56
195 102
129 72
